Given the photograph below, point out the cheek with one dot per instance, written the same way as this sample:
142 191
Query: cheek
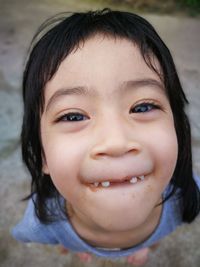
63 170
165 153
63 160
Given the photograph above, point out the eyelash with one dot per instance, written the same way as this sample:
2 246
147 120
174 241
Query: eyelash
69 117
150 105
76 116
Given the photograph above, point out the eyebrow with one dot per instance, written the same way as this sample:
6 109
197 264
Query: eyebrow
142 83
79 90
85 91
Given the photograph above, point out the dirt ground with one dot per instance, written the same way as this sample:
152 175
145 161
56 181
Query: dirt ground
18 21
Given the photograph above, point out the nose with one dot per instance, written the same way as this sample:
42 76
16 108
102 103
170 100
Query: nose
115 139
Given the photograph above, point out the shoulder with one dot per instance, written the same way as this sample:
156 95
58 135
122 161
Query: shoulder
60 231
197 179
30 229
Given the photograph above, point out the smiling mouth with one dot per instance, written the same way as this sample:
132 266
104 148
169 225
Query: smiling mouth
111 183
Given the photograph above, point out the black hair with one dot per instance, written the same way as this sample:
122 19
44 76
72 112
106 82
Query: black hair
53 42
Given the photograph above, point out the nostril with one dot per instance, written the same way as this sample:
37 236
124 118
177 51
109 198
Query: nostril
115 153
116 147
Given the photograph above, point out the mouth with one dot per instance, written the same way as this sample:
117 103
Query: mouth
111 183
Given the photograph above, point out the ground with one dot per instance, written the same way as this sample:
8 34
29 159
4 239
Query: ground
19 20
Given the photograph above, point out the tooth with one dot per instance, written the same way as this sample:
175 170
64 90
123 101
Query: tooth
141 177
105 184
96 184
133 180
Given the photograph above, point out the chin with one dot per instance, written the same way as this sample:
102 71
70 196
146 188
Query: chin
120 220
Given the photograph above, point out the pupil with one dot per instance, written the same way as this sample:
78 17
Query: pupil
75 117
141 108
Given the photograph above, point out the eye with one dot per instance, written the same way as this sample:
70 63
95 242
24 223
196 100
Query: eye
72 117
144 107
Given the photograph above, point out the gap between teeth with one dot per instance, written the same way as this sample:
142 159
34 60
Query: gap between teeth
133 180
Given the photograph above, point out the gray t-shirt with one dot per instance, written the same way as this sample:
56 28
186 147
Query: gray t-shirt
30 229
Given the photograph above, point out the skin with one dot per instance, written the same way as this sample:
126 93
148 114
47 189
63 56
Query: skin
112 140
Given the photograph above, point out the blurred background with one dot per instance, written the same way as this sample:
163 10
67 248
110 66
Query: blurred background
178 23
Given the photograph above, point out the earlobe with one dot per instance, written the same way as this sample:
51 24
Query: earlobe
45 168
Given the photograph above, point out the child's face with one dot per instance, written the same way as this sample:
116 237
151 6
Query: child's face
107 119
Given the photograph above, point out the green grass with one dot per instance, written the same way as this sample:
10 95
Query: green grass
191 3
184 7
191 6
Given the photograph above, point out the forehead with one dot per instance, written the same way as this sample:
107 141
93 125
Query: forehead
101 63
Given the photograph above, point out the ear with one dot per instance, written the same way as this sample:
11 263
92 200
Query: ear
45 168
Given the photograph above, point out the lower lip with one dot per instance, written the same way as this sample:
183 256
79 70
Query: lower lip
114 185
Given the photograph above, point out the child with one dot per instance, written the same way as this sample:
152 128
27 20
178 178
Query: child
105 138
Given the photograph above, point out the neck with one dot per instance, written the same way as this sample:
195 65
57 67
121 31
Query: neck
98 237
